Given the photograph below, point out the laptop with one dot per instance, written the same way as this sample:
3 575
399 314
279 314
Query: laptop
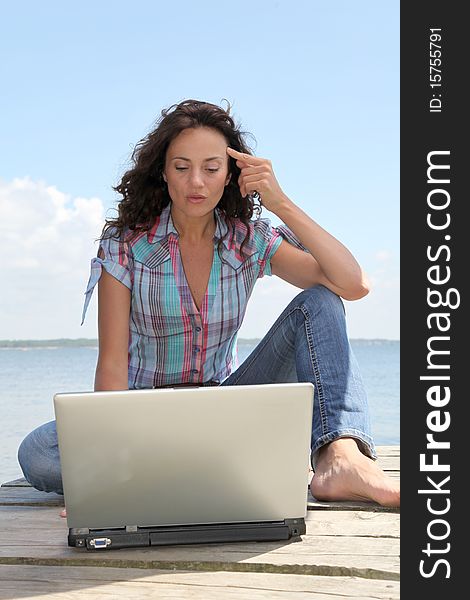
152 467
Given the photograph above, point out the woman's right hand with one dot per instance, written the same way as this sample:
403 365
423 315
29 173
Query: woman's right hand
63 513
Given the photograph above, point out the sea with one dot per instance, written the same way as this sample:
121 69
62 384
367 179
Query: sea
32 372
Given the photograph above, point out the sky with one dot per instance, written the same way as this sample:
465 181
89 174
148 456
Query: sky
316 83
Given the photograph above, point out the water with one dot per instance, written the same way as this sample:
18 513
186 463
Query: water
30 376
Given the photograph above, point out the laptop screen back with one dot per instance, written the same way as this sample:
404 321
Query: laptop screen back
185 455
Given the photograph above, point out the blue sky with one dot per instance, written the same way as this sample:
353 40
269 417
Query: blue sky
316 83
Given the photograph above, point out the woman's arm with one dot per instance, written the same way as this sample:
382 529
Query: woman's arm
329 262
114 300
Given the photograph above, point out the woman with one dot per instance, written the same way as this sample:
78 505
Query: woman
176 269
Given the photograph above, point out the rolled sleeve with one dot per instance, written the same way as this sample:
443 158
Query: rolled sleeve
267 241
116 262
290 237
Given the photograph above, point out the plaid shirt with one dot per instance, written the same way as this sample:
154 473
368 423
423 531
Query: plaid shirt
170 340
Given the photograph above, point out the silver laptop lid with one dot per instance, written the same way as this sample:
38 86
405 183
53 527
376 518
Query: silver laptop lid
185 455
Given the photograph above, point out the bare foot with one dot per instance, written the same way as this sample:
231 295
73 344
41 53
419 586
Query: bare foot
342 472
63 513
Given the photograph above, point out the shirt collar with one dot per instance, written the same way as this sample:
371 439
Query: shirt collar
164 227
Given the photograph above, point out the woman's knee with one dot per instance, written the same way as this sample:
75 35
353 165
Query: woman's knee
38 456
27 458
320 297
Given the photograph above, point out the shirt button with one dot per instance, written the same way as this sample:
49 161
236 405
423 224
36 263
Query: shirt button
197 349
198 329
194 371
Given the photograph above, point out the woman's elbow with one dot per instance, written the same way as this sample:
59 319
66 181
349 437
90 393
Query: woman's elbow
358 292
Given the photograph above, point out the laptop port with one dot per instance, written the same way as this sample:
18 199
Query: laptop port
100 542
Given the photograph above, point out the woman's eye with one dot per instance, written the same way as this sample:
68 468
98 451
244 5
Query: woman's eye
185 168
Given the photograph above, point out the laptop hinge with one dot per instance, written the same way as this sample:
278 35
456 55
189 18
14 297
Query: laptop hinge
80 531
131 528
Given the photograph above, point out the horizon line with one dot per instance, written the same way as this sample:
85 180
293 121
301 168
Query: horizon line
94 341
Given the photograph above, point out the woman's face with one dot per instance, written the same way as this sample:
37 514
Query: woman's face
196 164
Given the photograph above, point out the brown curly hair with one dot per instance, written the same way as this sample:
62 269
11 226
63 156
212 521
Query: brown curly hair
143 189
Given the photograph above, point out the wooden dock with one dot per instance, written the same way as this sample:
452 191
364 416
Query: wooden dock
350 550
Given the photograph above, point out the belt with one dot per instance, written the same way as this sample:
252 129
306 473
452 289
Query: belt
189 384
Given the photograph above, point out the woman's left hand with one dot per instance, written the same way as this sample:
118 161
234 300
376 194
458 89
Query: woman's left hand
257 175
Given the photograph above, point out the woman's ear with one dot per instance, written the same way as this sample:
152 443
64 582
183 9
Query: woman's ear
228 179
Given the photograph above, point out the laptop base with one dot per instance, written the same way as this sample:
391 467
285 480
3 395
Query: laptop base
128 537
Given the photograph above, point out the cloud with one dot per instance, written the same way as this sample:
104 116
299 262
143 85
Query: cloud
49 241
383 255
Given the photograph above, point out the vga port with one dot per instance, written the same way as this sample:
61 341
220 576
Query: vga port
100 542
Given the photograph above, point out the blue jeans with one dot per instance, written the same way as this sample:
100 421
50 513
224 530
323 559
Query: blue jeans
308 342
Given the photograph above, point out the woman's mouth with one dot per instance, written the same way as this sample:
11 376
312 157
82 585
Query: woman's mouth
196 199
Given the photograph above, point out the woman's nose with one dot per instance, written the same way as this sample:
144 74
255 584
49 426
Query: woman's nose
195 177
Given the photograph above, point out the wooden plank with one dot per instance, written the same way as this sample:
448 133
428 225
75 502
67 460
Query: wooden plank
337 543
346 551
389 463
314 504
310 544
21 482
392 450
68 583
28 496
329 523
